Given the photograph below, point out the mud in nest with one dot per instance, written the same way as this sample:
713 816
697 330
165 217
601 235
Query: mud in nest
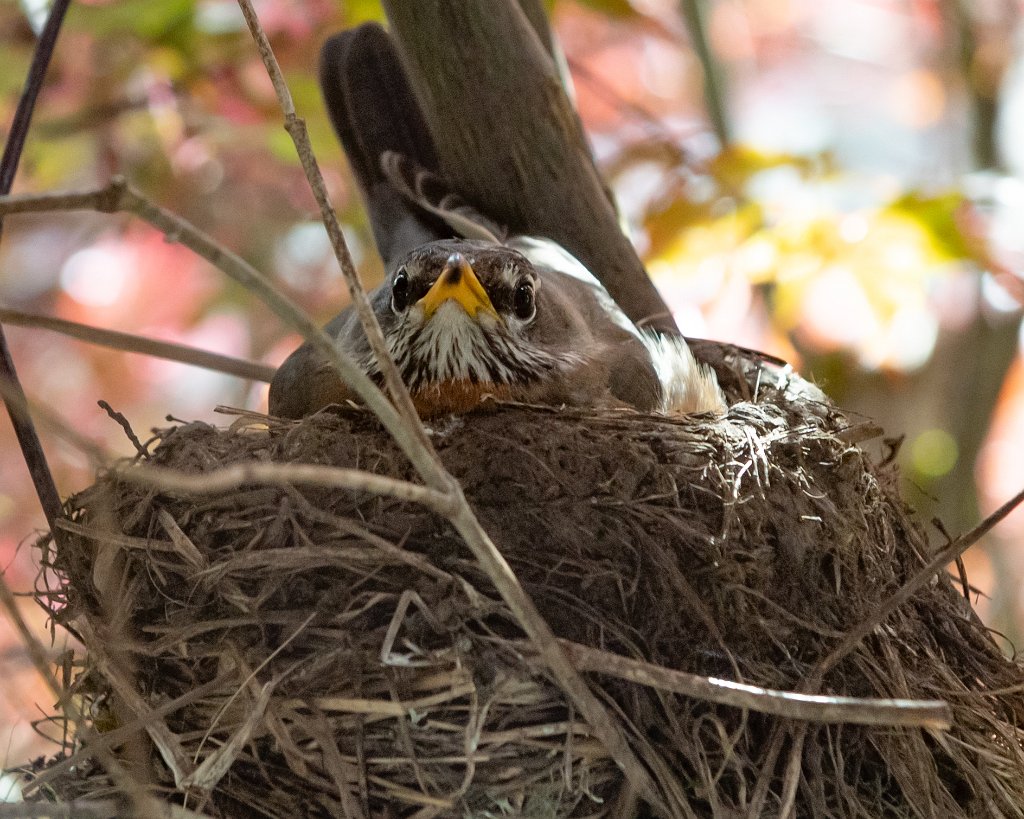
330 653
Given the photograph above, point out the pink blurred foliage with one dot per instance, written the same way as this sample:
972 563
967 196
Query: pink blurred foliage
999 470
300 20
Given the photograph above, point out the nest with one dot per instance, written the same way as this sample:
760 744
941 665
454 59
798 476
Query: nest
319 652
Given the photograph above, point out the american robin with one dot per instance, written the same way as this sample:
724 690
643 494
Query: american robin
467 313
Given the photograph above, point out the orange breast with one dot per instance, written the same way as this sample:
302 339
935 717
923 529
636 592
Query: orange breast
453 397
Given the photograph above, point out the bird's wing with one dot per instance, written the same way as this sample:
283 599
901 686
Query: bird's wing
684 384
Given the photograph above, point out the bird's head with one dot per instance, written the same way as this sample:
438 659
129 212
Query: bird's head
465 311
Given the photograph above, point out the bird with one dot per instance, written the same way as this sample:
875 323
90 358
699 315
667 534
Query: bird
470 315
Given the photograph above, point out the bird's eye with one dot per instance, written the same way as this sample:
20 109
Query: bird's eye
523 301
400 291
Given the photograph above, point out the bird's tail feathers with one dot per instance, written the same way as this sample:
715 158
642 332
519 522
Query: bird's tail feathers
374 110
381 126
371 103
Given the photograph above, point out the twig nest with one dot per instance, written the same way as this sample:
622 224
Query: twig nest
331 652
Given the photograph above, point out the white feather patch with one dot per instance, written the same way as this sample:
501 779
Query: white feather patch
687 386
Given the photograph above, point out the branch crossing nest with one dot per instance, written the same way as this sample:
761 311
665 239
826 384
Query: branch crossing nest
321 652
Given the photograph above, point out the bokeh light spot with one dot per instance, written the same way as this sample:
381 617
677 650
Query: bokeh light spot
95 276
10 788
934 453
918 98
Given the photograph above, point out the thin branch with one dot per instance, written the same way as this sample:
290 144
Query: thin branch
419 450
120 197
142 802
296 128
283 474
807 707
923 577
28 438
119 419
131 343
694 13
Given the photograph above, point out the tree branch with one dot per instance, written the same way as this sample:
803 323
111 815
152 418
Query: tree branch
789 704
296 128
433 472
131 343
28 438
283 474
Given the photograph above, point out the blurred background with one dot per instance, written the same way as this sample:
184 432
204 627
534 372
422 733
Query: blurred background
837 182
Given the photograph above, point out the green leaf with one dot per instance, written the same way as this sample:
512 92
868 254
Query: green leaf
613 8
363 11
154 20
281 146
937 216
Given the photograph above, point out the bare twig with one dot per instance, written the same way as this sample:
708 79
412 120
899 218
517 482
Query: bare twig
284 474
121 421
808 707
714 97
417 446
28 439
131 343
119 196
296 128
934 566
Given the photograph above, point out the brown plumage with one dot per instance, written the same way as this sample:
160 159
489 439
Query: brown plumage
467 314
466 320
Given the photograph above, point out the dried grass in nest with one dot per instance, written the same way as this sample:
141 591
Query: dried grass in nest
326 652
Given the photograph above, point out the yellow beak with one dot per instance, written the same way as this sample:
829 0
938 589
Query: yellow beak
458 282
